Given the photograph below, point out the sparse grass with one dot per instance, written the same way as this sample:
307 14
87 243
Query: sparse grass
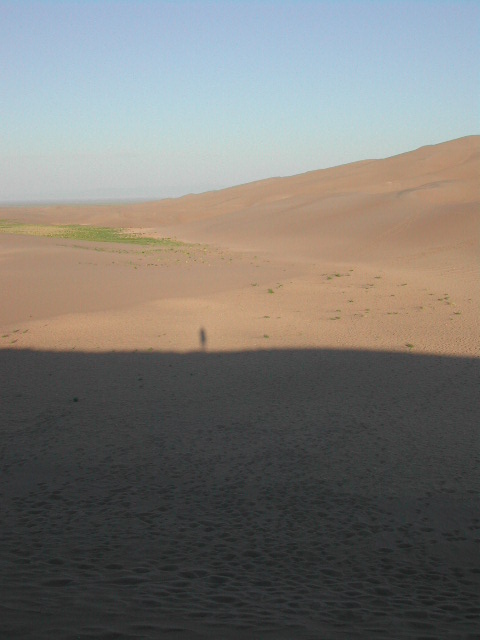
84 232
271 291
446 300
409 345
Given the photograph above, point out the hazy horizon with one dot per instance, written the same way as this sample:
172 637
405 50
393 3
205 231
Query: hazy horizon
111 101
125 196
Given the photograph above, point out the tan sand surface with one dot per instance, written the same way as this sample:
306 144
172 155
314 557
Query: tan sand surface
270 432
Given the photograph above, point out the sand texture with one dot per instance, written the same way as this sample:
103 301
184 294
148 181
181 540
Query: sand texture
268 432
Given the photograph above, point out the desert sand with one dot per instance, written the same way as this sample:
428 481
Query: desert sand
270 431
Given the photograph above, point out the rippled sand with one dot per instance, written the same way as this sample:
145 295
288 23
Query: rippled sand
303 493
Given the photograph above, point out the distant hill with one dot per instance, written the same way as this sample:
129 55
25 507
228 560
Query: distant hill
418 201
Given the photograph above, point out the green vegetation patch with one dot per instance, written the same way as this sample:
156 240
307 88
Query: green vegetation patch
84 232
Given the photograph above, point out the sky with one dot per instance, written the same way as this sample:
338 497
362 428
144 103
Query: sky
141 100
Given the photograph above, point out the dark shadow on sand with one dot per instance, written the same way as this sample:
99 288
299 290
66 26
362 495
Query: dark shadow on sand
282 494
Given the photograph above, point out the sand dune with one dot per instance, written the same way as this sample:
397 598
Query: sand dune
411 220
269 432
444 175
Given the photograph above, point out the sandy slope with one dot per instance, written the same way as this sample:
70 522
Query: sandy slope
410 220
401 233
311 471
416 201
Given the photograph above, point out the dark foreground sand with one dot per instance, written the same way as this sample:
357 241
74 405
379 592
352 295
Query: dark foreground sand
284 494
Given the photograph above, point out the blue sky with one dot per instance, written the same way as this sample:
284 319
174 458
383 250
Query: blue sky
156 99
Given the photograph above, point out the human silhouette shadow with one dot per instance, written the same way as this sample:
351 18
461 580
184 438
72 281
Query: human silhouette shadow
202 335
